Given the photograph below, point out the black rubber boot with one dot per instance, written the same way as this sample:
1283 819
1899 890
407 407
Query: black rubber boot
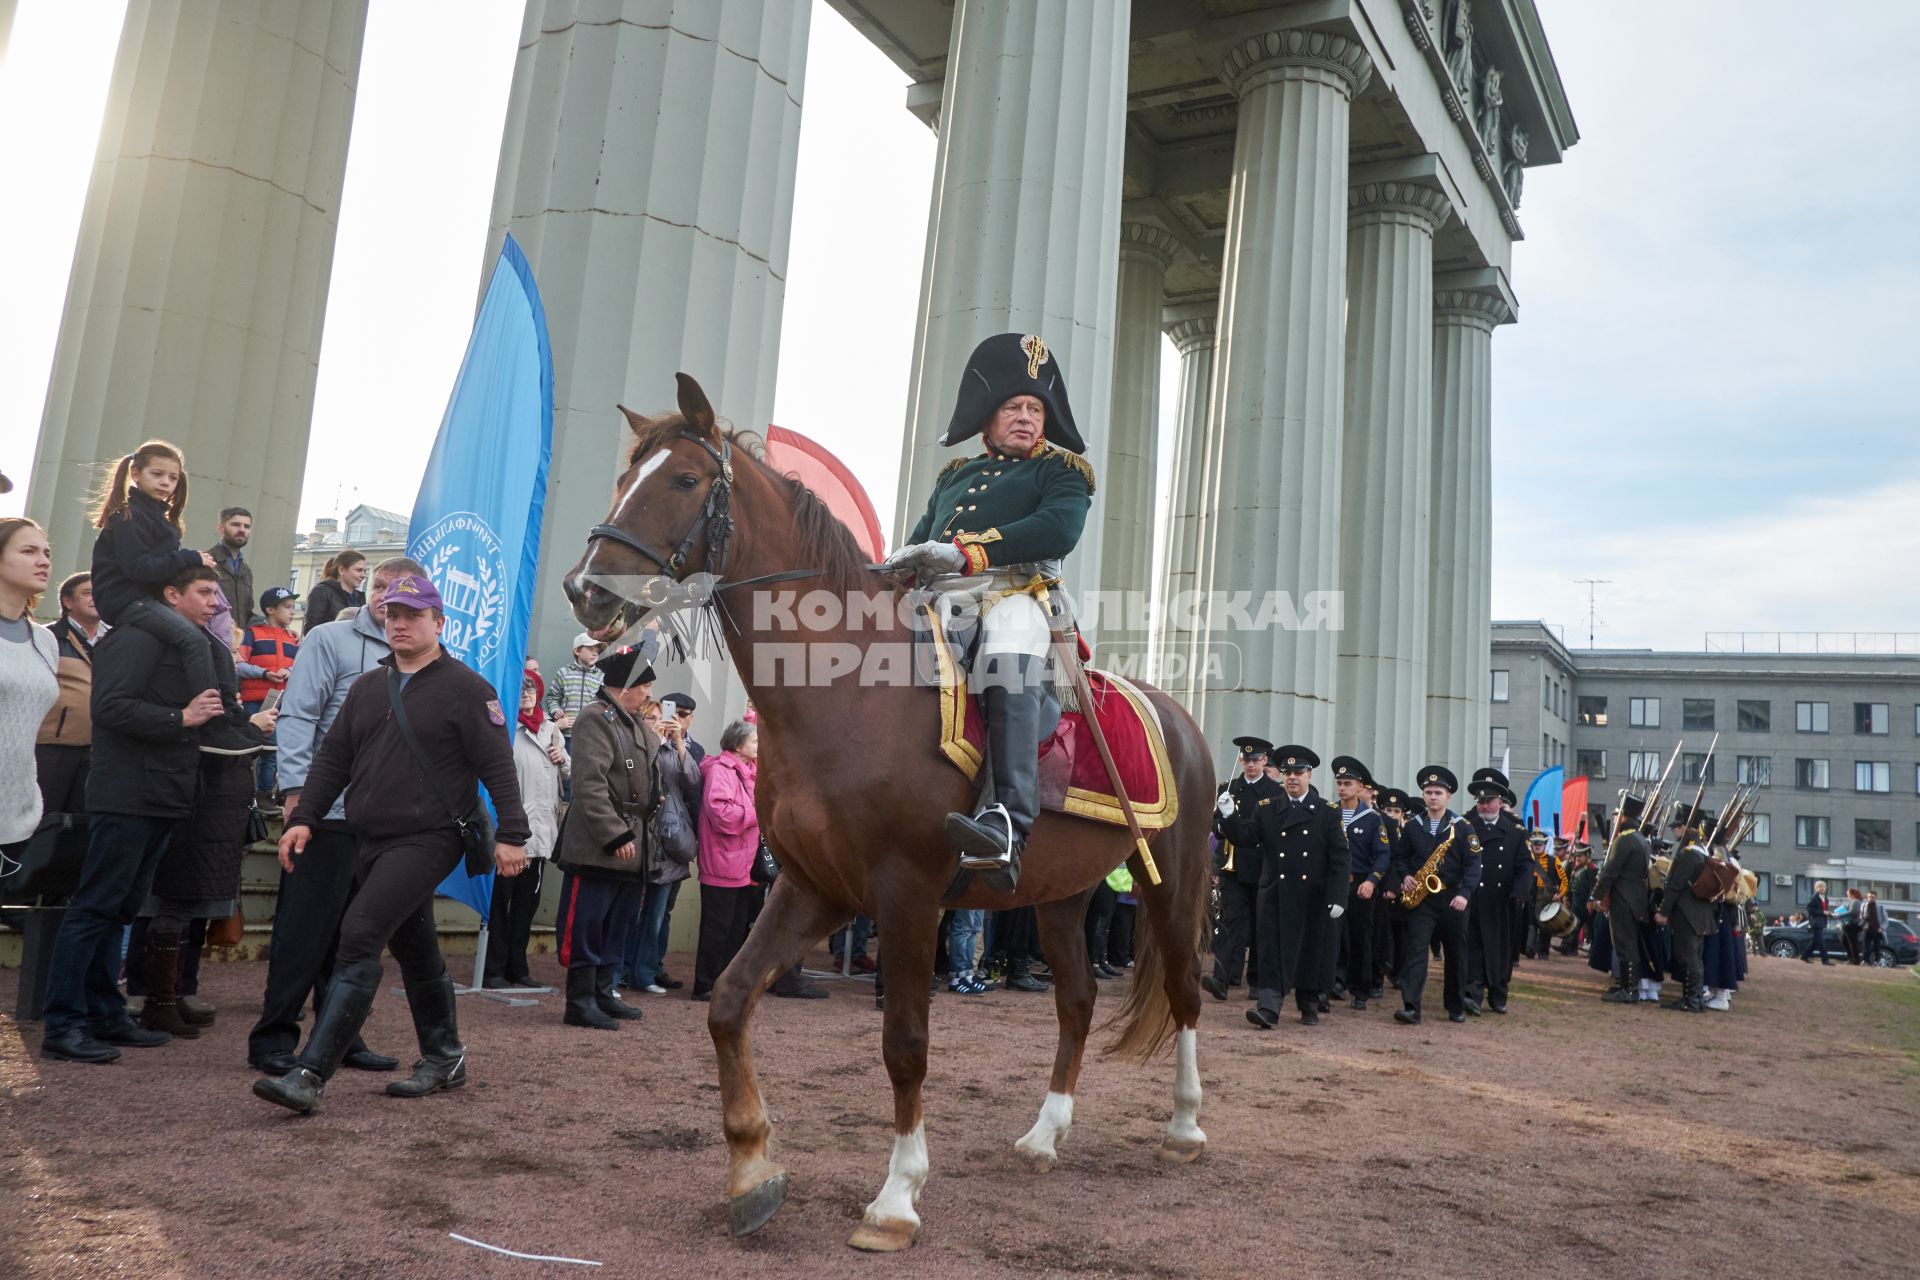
1101 969
162 1011
607 1002
349 998
443 1059
1018 706
583 1009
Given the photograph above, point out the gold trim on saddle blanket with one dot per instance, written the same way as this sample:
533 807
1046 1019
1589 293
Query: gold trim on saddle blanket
1080 802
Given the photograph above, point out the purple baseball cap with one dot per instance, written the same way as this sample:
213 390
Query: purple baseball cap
413 591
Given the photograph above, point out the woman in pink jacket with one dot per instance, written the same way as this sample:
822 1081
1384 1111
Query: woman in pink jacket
729 838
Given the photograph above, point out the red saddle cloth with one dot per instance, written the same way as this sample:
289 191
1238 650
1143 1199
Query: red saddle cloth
1072 778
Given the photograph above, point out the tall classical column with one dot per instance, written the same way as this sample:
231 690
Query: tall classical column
1133 442
647 170
1460 634
1386 460
1276 418
200 278
1025 224
1194 329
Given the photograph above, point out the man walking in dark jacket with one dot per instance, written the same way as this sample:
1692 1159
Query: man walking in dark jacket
146 752
408 839
1817 912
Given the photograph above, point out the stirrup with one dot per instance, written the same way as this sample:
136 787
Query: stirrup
978 839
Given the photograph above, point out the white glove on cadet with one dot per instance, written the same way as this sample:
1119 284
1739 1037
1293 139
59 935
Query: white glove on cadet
1226 806
933 557
1335 911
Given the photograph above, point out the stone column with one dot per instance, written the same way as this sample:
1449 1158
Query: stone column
200 278
1460 632
1276 417
1193 328
1133 444
647 170
1025 224
1385 471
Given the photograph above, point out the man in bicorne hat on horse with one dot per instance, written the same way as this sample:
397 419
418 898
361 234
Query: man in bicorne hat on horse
991 540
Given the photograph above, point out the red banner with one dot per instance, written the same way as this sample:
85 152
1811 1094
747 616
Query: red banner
1573 811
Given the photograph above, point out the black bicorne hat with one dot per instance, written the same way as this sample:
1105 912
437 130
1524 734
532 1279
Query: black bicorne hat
1438 775
1293 758
1008 365
1348 767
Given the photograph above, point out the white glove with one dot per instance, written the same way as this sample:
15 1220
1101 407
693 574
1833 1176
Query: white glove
1335 911
1226 806
933 557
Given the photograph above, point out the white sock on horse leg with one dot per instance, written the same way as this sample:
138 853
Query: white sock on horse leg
1185 1125
1056 1117
906 1175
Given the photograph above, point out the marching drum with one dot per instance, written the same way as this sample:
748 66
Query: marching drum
1556 920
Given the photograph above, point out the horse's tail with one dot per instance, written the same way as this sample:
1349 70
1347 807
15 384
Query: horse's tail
1145 1021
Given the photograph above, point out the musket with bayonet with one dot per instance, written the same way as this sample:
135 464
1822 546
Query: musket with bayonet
1692 814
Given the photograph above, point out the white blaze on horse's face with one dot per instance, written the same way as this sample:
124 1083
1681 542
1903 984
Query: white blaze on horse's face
628 503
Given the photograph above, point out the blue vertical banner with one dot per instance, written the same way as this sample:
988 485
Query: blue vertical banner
1541 808
476 521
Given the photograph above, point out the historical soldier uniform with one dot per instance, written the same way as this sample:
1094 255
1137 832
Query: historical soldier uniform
1689 915
1621 892
1505 877
1241 861
1457 868
993 535
1302 893
1369 851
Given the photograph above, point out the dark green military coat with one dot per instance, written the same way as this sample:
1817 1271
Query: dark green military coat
1002 509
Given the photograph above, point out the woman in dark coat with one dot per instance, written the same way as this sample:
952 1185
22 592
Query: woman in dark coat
603 843
338 588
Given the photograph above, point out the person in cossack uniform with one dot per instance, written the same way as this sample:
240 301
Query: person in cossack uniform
1390 926
1302 893
1622 901
991 542
1369 852
1504 876
1439 912
1240 863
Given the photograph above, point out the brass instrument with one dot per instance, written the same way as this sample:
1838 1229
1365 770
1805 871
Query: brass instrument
1425 881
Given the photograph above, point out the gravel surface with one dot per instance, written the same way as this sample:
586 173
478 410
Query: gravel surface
1569 1137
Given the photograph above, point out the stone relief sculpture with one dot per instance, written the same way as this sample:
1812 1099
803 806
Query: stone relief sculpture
1514 173
1491 100
1459 45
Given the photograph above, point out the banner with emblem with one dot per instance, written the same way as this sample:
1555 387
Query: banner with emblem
476 522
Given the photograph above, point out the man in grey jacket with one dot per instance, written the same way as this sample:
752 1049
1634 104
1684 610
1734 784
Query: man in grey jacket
306 921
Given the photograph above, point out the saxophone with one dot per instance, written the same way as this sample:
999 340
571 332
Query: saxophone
1426 881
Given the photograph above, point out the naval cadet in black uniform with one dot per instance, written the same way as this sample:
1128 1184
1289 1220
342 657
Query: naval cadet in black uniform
1390 925
1301 896
1690 915
1621 894
1505 874
1369 851
994 533
1239 863
1437 911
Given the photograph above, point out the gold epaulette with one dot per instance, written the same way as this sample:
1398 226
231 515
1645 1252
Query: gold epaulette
955 465
1075 461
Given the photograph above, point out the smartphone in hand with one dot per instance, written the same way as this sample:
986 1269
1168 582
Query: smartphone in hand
272 701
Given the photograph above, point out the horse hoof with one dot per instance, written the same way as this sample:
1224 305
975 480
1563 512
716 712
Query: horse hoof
748 1213
1181 1150
884 1235
1036 1161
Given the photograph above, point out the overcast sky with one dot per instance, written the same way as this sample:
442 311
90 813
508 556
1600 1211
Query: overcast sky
1702 402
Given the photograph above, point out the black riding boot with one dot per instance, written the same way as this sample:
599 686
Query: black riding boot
349 999
1017 704
603 997
1102 929
443 1059
583 1008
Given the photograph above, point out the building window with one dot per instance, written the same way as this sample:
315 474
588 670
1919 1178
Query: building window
1593 711
1810 775
1810 717
1592 764
1643 713
1546 752
1643 766
1872 775
1873 835
1811 833
1696 713
1764 891
1499 686
1696 766
1753 771
1497 743
1752 716
1762 833
1870 717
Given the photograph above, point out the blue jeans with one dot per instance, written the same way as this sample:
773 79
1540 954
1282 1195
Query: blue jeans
647 941
83 987
961 937
862 929
266 765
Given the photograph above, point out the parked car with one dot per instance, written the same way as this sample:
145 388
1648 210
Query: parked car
1792 941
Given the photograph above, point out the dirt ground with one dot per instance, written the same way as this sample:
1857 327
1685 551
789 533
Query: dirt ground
1569 1137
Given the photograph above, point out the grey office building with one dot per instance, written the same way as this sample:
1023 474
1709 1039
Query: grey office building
1832 734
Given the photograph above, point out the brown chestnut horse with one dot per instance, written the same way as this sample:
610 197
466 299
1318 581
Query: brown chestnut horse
852 797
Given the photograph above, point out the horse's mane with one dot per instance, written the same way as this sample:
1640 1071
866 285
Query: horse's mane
821 541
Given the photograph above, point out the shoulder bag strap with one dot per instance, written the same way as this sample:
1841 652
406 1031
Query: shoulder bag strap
413 745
